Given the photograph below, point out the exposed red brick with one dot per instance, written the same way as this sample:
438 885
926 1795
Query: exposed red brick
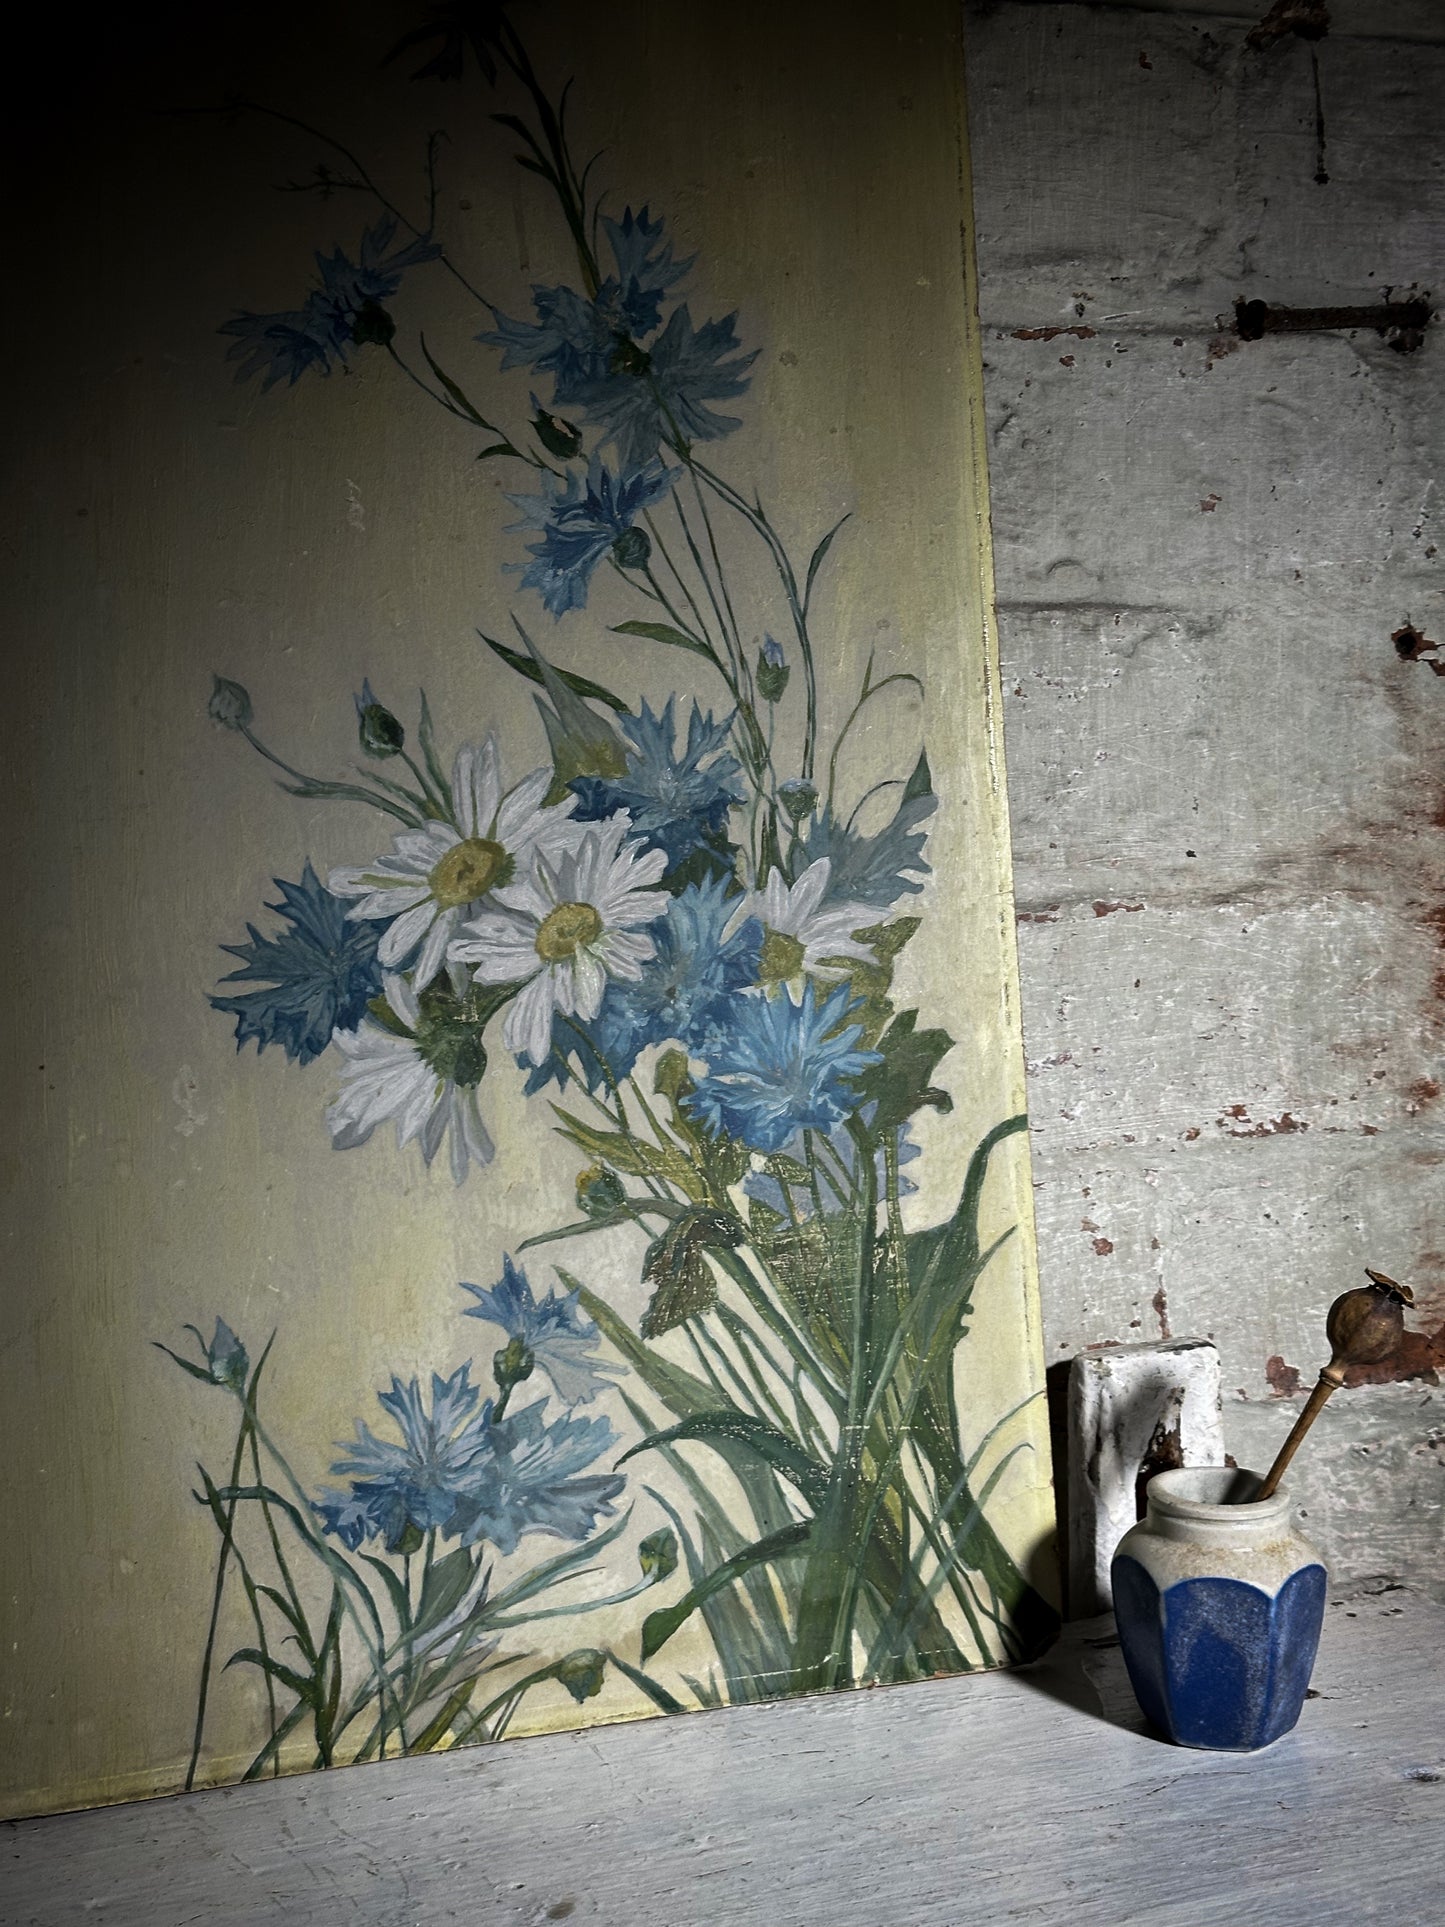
1102 909
1104 1247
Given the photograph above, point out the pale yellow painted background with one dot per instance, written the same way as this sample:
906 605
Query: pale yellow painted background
165 522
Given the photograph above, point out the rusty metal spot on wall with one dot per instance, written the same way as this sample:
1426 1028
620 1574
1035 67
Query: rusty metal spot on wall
1103 909
1310 19
1411 645
1283 1379
1402 324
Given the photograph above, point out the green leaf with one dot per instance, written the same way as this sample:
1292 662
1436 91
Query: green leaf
786 1170
632 1155
608 1222
947 1250
682 1280
273 1746
444 1588
681 1391
579 685
426 736
816 562
800 1468
582 743
920 783
396 1591
901 1084
659 1695
885 940
662 632
289 1613
551 1572
659 1627
304 1688
437 1728
196 1371
455 392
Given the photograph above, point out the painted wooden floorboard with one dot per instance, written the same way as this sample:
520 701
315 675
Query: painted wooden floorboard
1034 1797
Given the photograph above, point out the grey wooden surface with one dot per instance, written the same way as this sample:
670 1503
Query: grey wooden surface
1034 1797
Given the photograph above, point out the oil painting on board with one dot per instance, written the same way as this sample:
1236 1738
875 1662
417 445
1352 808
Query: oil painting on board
545 1235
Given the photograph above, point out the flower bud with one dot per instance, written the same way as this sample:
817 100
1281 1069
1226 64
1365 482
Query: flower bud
412 1540
628 359
798 799
657 1555
560 438
512 1364
372 325
230 705
380 732
632 549
581 1673
226 1357
772 671
599 1191
672 1078
1366 1325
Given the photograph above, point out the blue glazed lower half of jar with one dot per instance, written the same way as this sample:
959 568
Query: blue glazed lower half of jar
1215 1662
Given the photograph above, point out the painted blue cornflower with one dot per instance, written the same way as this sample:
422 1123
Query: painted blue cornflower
345 308
681 996
316 976
420 1483
580 522
661 395
577 341
877 869
777 1068
525 1479
553 1334
645 271
678 803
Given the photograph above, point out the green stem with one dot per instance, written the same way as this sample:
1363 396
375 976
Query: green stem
759 523
836 1553
318 786
364 180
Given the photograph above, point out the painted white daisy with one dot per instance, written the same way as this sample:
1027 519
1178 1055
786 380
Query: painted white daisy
800 931
434 875
387 1076
563 931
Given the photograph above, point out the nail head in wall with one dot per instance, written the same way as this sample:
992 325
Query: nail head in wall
1412 645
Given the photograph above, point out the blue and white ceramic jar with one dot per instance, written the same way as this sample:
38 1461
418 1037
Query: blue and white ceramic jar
1219 1606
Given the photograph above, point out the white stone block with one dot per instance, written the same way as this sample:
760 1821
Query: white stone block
1128 1405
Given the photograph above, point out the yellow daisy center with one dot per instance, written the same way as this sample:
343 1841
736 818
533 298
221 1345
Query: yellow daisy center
566 930
467 871
781 957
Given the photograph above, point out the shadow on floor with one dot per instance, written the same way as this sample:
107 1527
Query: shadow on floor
1085 1670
